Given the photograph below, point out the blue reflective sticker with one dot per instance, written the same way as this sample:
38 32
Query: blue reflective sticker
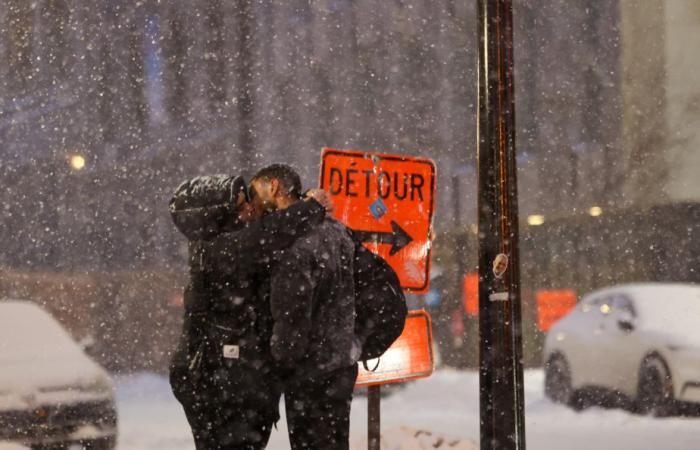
378 209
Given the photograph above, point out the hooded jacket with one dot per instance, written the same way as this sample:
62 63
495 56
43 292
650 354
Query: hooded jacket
312 298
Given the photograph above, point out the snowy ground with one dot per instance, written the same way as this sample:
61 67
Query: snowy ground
445 404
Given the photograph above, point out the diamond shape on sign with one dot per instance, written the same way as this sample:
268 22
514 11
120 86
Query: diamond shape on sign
378 208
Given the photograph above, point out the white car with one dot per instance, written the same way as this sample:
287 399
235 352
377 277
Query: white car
52 395
637 344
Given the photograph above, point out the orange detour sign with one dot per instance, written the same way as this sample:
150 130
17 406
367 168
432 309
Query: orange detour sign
552 305
388 200
408 358
470 288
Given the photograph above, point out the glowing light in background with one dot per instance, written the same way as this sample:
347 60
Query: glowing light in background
535 219
595 211
77 162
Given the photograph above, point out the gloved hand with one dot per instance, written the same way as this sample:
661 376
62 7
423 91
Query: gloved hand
321 197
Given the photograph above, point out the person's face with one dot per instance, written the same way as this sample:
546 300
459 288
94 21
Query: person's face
263 194
246 213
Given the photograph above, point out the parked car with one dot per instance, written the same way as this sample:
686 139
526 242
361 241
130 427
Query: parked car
52 395
636 345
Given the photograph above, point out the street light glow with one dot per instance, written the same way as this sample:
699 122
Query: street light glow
77 162
535 219
595 211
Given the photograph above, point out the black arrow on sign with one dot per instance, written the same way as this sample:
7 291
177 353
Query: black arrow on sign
398 238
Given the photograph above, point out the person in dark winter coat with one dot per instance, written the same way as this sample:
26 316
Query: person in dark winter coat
221 372
312 298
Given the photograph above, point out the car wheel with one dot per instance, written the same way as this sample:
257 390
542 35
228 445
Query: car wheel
655 391
557 380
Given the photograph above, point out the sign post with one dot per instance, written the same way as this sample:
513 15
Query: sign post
374 415
388 201
410 357
500 330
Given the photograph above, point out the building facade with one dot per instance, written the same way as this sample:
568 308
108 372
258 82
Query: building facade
153 92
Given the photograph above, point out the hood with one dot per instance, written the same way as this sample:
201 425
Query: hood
205 206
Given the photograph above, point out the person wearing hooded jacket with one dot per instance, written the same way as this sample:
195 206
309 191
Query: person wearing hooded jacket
312 300
222 371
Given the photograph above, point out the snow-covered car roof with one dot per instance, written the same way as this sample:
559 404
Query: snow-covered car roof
36 351
25 327
667 307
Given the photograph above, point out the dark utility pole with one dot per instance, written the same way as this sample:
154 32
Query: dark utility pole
500 329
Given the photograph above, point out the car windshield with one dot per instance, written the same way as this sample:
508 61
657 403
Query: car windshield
27 332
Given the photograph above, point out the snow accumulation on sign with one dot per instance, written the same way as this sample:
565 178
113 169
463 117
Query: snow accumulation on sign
388 200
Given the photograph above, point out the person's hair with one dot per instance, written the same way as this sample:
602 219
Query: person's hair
288 178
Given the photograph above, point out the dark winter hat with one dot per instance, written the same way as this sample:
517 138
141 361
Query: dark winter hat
205 206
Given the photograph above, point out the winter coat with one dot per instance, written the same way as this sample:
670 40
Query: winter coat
312 298
222 303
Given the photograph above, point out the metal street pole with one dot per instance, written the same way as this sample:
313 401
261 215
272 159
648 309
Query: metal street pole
374 417
500 328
